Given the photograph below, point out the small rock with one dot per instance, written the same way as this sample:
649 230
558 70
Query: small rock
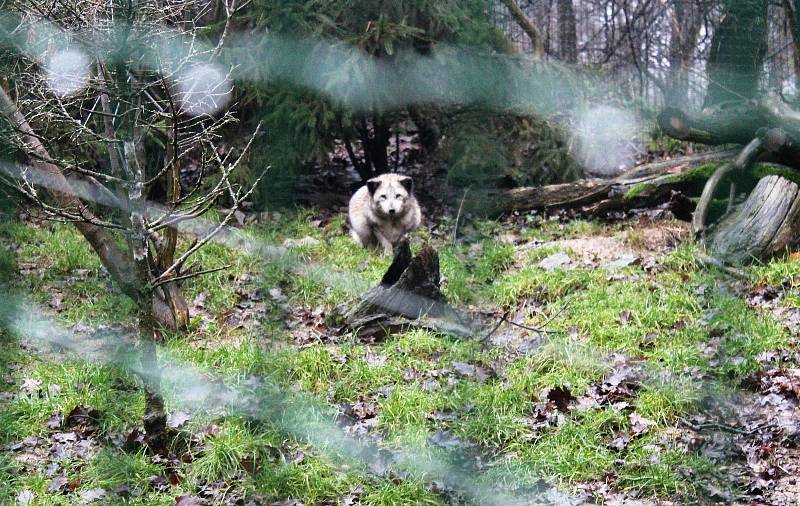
374 361
555 261
199 301
508 238
445 439
276 294
623 261
81 273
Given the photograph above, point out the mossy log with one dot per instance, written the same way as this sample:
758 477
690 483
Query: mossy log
775 144
767 223
644 186
407 296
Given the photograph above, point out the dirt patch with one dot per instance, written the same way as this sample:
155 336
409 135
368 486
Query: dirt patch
640 242
656 237
595 250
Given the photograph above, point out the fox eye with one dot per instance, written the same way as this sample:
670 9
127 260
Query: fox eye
382 197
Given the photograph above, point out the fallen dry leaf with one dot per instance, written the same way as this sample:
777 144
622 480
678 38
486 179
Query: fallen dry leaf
92 495
57 301
55 421
561 397
58 485
178 419
188 500
471 371
639 425
624 317
30 386
25 497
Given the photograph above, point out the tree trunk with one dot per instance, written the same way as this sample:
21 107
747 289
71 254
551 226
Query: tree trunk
742 163
793 15
168 305
738 49
155 416
116 260
686 24
769 221
124 267
408 295
774 145
567 33
378 145
527 25
375 145
428 132
765 225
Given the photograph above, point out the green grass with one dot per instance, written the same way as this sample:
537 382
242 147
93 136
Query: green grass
575 451
562 360
533 282
234 449
783 270
663 320
652 470
63 387
110 469
468 268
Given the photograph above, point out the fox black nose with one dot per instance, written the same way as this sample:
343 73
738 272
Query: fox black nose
392 211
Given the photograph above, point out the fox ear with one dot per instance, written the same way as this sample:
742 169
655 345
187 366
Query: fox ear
372 185
407 183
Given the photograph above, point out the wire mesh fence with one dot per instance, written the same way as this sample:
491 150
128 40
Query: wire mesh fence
638 44
636 53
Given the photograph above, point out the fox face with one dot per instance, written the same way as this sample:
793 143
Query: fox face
389 194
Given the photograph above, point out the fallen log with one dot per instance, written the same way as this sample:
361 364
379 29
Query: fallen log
656 168
643 186
765 225
775 144
729 122
407 296
782 147
768 222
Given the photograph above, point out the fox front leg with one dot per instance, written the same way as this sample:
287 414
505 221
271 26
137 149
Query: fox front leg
388 249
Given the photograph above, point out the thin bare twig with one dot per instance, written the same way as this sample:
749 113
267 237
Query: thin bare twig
458 215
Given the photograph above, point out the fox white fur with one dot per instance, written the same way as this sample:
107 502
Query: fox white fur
383 211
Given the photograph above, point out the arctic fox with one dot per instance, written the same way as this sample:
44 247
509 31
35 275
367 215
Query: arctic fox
383 211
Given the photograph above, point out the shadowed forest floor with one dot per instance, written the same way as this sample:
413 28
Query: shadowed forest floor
653 379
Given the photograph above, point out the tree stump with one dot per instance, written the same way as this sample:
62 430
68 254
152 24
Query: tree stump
407 296
767 223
